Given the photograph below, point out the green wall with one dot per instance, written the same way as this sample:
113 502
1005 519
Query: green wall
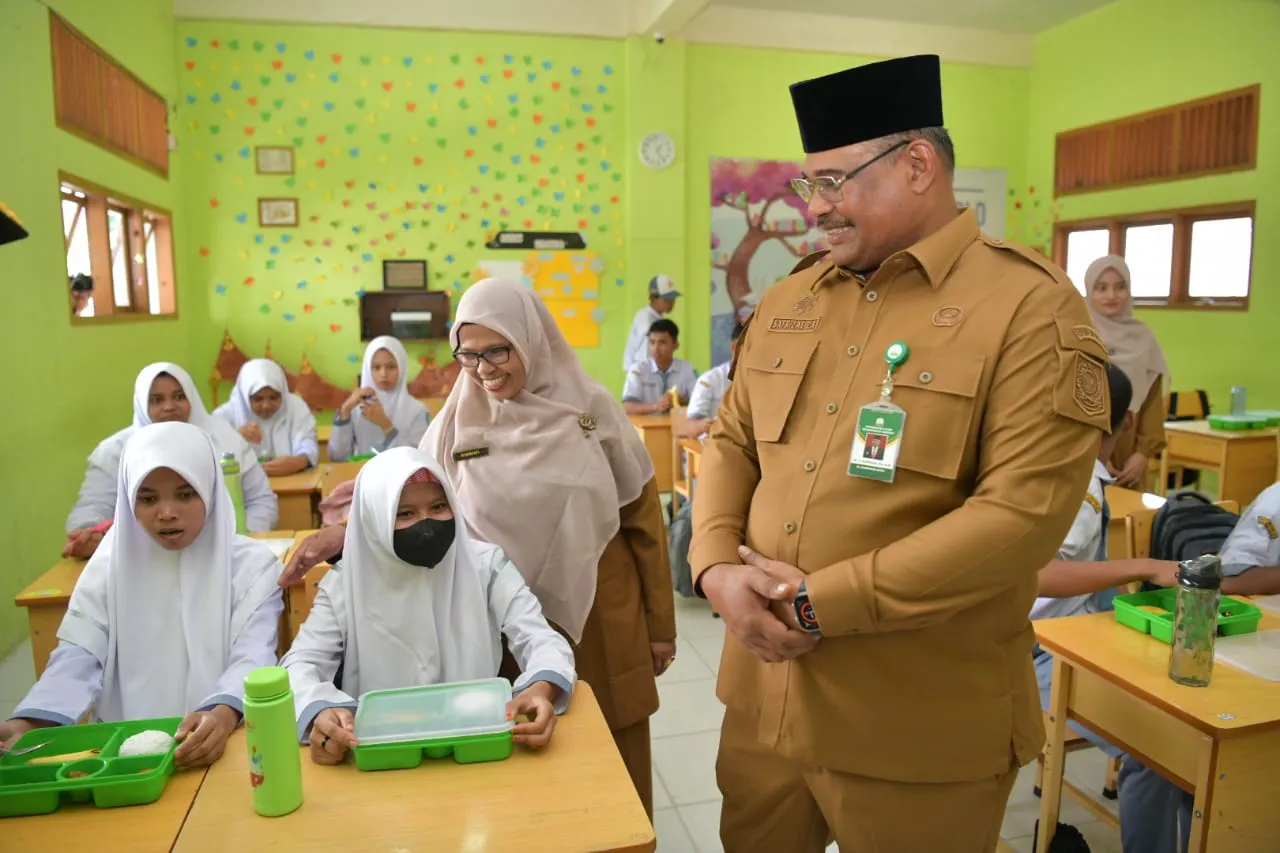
739 106
68 387
1138 55
413 144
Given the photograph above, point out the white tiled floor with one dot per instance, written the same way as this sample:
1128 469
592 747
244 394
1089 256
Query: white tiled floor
686 736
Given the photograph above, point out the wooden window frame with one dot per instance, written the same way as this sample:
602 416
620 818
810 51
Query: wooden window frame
138 214
1180 271
94 99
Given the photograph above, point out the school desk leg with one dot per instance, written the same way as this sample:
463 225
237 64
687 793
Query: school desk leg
1055 756
44 623
1241 805
1162 487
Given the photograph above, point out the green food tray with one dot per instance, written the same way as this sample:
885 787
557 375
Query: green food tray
111 781
472 749
1272 417
364 457
1234 616
1238 422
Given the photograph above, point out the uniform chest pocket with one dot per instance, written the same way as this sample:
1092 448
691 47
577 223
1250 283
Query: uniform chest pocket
773 373
939 393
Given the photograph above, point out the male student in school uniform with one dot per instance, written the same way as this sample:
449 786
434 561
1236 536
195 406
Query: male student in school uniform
649 382
710 389
662 299
1155 814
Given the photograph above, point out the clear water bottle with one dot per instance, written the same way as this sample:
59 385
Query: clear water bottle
271 736
1195 621
231 476
1238 402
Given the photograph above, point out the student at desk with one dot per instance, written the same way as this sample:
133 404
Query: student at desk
416 601
172 611
710 389
163 393
277 424
648 386
381 413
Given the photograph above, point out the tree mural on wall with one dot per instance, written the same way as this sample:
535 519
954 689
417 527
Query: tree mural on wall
754 187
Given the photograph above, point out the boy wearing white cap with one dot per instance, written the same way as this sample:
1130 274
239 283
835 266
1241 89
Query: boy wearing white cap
662 298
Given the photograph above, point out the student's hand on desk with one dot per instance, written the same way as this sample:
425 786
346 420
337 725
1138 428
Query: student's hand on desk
375 414
203 736
743 596
1133 472
356 398
82 543
283 466
536 702
317 548
333 733
11 730
251 433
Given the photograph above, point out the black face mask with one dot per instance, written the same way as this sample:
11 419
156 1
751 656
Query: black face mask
424 543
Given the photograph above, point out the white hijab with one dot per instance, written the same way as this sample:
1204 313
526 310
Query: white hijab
162 623
292 418
562 457
406 625
398 403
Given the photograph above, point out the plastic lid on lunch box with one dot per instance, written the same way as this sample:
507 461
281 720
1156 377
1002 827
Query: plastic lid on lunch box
434 712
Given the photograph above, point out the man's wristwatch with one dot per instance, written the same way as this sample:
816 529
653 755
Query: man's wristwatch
805 617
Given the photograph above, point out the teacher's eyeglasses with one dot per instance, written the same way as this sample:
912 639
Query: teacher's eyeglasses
831 188
497 356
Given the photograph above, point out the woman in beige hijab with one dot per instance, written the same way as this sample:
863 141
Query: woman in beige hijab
547 467
1134 349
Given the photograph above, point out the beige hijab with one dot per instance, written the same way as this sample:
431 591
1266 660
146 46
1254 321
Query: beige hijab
553 465
1130 343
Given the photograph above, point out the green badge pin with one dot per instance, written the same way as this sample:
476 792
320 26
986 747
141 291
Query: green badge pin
895 354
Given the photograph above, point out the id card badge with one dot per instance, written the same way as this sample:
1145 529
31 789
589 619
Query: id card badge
876 442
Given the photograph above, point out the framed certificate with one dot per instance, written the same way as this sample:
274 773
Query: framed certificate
274 159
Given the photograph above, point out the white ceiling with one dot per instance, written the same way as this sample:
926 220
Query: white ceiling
1007 16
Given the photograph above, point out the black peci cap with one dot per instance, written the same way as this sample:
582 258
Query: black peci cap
10 228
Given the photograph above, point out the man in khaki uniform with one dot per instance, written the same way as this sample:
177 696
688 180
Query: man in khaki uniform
898 724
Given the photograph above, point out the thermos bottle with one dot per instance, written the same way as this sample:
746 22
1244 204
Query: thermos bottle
1195 621
271 735
231 476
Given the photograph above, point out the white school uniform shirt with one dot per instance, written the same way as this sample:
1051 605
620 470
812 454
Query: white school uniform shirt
291 431
1086 542
151 632
389 624
646 383
359 437
1255 541
710 389
638 338
97 499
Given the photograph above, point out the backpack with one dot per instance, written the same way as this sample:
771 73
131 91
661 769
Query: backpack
678 539
1190 526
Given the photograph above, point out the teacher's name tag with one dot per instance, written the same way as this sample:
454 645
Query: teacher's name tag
876 442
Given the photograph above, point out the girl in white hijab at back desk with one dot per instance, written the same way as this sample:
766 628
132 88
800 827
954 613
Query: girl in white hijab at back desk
277 424
381 413
164 393
173 610
416 601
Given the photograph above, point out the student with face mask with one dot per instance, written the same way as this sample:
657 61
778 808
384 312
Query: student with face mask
416 601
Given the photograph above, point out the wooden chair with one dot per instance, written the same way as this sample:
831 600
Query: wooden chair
1075 743
1182 406
680 482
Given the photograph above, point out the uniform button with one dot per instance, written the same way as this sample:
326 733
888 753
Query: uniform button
852 351
810 466
925 377
777 362
872 296
789 527
832 408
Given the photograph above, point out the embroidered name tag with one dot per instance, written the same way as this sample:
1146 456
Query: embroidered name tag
1093 502
787 324
473 453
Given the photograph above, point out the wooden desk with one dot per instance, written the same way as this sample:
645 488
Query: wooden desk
689 459
1124 502
323 433
655 432
574 796
298 494
1222 741
1245 460
334 474
46 600
83 826
299 597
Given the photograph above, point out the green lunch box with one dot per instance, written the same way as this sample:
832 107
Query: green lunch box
1238 422
396 729
1271 416
108 780
1234 616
